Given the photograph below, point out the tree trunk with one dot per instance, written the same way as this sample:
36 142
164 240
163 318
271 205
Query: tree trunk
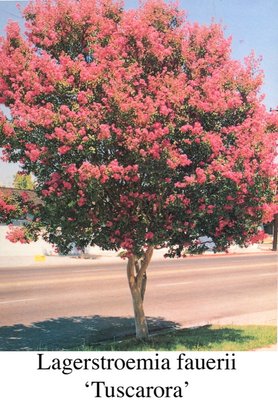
141 326
137 280
144 286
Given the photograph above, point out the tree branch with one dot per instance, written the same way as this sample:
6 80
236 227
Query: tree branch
137 266
131 271
144 264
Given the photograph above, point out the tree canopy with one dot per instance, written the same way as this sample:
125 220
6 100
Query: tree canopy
139 127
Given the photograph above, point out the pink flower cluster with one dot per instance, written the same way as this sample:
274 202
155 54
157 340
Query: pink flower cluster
16 234
5 207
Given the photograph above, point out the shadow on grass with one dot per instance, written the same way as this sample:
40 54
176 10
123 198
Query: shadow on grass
205 338
118 333
74 332
202 338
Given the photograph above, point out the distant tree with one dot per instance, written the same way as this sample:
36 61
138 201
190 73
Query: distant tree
23 181
140 129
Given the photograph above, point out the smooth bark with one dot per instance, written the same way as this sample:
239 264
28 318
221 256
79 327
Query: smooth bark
137 280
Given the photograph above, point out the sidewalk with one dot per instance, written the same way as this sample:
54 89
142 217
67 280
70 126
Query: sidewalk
48 261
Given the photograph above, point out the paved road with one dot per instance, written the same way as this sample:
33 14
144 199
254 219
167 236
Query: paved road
56 306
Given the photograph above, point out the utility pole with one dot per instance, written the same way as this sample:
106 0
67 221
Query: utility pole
275 221
275 233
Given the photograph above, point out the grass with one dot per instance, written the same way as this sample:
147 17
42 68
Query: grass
206 338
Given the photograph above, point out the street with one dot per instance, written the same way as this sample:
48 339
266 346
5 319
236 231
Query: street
58 305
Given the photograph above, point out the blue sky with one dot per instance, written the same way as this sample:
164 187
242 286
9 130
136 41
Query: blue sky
251 23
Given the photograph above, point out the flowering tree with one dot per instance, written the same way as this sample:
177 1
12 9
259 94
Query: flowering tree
140 129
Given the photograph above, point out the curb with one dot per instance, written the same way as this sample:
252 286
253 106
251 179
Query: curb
49 261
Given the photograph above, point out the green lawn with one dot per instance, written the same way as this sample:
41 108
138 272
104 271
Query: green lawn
206 338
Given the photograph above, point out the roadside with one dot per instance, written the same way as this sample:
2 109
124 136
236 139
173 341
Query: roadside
202 338
41 260
103 257
99 257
